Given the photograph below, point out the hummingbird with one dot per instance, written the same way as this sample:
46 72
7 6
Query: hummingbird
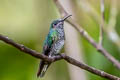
53 43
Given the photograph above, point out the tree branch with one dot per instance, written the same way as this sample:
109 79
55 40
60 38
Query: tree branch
56 58
86 36
28 50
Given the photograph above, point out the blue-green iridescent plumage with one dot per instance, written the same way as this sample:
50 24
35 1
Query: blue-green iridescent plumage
53 43
52 35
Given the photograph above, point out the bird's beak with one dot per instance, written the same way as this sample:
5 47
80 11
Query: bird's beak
66 17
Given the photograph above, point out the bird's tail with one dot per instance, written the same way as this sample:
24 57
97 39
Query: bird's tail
42 68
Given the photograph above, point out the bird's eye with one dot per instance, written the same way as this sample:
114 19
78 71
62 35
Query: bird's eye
55 24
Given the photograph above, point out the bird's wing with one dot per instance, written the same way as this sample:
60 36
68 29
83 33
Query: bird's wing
50 40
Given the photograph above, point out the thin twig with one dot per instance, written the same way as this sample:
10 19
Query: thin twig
56 58
110 29
102 22
87 37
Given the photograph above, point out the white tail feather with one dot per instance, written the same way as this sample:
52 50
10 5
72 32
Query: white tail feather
44 70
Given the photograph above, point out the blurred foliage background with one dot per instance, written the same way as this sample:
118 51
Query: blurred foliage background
27 22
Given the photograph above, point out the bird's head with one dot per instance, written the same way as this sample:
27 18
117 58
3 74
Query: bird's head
59 22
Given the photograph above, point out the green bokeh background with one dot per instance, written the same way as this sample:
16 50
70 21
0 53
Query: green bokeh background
27 22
